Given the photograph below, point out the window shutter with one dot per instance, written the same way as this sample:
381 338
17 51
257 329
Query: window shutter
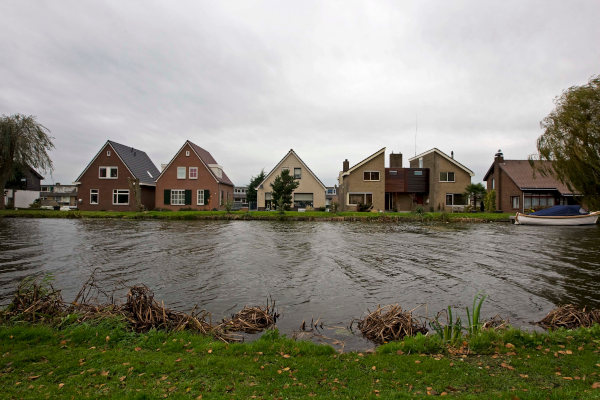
206 196
188 197
167 197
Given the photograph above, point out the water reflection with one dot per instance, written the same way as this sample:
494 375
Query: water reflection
310 267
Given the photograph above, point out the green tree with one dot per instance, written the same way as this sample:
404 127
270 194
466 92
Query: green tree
282 188
571 142
475 191
490 201
251 194
23 143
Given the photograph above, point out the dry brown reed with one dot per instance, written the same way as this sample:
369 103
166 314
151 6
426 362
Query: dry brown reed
496 322
251 319
570 317
35 300
389 323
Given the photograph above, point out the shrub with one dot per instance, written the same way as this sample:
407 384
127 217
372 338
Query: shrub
431 209
364 207
334 206
490 201
162 209
186 209
228 206
309 209
37 203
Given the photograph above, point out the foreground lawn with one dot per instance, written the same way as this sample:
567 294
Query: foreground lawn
107 361
258 215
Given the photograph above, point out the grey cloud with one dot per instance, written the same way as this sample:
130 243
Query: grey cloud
335 80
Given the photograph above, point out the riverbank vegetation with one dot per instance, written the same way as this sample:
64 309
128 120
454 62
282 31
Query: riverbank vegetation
263 215
142 350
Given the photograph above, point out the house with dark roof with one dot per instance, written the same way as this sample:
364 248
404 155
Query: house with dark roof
518 189
193 179
310 191
103 183
23 188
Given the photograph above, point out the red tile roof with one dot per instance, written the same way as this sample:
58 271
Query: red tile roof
521 172
207 158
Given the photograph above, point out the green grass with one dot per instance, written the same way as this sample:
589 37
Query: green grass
256 215
39 361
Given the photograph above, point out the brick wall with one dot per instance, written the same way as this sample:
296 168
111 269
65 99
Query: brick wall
91 180
355 183
205 181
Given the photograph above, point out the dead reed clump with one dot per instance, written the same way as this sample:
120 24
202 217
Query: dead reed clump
496 322
570 317
35 300
389 323
145 313
251 319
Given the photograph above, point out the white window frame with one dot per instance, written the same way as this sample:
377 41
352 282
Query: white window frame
187 153
364 194
97 197
371 180
453 201
447 179
108 153
200 191
182 200
190 172
300 175
108 173
117 192
184 172
421 162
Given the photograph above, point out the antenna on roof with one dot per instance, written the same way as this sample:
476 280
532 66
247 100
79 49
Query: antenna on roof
416 127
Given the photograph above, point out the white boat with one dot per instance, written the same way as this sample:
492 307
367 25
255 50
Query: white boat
569 220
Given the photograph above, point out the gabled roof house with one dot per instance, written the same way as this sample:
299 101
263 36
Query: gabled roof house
103 183
310 191
193 179
518 189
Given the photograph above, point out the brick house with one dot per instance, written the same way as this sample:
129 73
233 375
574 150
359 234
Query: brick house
103 183
448 179
363 183
391 188
310 191
193 179
517 189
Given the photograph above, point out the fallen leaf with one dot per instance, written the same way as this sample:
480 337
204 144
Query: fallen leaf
107 338
596 385
417 361
178 360
507 366
209 351
286 356
569 352
18 383
399 352
374 368
138 348
524 376
125 363
443 394
104 373
509 346
33 377
567 378
61 385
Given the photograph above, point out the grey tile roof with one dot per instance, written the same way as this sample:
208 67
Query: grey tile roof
138 163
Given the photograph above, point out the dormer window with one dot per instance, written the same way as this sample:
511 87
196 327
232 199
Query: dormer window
108 153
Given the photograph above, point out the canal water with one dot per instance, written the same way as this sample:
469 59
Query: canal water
334 269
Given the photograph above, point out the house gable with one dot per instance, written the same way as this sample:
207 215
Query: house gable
444 155
281 165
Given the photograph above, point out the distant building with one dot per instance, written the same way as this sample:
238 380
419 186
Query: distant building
310 191
517 189
23 189
193 179
240 197
63 195
330 196
103 183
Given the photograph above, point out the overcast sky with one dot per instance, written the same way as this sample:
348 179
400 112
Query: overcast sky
249 80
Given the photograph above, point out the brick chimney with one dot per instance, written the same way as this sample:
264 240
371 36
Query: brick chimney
499 157
396 160
346 166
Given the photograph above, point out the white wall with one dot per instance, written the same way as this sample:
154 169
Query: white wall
23 198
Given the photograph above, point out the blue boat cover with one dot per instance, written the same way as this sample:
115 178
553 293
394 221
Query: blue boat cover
561 211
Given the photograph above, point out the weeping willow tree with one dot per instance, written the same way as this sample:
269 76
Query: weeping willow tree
571 141
23 143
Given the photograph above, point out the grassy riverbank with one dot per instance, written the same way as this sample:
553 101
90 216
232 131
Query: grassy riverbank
260 215
108 361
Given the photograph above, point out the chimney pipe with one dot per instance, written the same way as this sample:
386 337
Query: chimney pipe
452 155
346 165
396 160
